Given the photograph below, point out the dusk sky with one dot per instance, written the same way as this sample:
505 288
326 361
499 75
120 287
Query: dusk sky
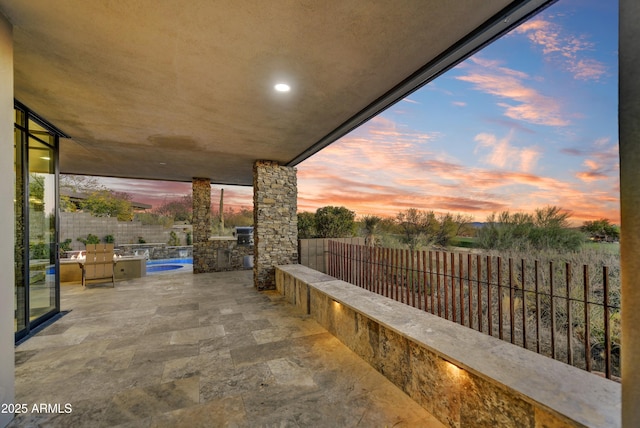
529 121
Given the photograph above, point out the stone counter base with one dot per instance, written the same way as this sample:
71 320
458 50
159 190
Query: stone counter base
219 256
462 377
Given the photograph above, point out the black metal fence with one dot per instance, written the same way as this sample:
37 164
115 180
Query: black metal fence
565 312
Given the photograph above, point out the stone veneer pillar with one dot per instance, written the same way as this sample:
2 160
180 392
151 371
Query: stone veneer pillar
275 220
629 140
201 223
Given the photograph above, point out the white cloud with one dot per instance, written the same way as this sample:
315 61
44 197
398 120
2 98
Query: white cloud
501 154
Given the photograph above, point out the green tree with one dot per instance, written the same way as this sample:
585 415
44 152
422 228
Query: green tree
601 230
306 225
36 191
66 205
334 222
505 230
417 227
105 203
180 209
449 226
546 228
551 217
238 217
553 231
77 184
80 183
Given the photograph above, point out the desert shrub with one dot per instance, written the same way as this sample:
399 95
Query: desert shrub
153 219
39 251
566 271
90 239
547 229
66 245
173 239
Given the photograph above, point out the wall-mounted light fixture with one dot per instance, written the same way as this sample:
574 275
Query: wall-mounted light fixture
454 370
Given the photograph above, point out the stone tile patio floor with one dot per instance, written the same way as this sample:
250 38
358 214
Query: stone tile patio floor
205 350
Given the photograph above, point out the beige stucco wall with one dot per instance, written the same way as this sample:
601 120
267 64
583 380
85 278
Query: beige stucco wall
6 225
629 120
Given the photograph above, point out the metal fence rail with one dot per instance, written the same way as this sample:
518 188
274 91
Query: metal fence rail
554 309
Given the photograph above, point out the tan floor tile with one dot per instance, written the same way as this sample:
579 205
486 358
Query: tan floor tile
225 412
157 399
204 365
199 350
195 335
287 372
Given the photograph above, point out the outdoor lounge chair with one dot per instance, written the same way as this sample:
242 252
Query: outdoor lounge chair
98 264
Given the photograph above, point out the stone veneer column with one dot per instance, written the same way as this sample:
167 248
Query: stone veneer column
275 220
7 195
201 223
629 138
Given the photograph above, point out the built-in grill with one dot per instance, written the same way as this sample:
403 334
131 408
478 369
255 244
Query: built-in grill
244 234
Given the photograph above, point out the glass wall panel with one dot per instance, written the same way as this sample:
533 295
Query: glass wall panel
42 229
37 289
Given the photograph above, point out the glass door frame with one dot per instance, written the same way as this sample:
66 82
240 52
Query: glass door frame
54 247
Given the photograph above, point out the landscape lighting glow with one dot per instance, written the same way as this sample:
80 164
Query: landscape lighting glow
282 87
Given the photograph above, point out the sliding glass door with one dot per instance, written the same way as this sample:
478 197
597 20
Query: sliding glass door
37 288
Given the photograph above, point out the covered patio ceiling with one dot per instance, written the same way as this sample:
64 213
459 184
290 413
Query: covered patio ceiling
172 90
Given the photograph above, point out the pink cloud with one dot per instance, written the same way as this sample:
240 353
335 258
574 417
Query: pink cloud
601 162
589 176
526 103
377 171
563 48
587 69
594 171
529 158
591 164
502 154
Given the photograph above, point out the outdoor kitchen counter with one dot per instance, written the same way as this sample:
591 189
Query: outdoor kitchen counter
127 267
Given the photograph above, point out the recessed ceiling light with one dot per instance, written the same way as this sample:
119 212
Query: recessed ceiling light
282 87
163 163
